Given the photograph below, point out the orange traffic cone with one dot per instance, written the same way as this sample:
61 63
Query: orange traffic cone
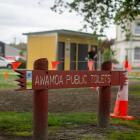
91 68
15 65
90 65
121 105
55 64
136 75
6 75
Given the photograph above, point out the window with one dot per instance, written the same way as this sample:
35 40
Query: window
137 28
137 53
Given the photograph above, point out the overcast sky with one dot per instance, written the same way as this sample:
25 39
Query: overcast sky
21 16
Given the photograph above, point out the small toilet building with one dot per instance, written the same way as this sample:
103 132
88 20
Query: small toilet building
68 47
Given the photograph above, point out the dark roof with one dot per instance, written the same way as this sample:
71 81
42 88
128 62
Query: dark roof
2 43
66 32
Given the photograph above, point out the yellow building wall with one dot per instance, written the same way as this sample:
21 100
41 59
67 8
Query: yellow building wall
74 39
41 46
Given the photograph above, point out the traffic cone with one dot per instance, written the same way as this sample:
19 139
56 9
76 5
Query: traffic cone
55 64
6 75
129 68
91 68
15 65
90 65
136 74
121 105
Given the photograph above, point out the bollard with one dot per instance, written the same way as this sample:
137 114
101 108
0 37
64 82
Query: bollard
104 100
40 106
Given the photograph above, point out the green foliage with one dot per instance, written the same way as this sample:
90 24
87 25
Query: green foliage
98 14
115 61
21 59
21 53
23 64
107 55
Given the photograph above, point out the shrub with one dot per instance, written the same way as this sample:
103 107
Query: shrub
23 64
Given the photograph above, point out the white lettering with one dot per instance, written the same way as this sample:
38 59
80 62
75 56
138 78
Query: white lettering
47 80
37 80
42 80
67 78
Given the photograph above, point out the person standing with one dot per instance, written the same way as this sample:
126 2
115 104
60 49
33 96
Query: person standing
92 56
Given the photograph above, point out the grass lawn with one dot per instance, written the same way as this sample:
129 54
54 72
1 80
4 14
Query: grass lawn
20 124
134 74
134 90
10 71
8 83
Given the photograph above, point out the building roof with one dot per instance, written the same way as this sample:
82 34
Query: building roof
62 31
2 43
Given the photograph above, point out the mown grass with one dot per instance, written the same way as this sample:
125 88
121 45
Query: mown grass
20 124
134 89
2 71
127 130
8 83
134 74
124 136
13 123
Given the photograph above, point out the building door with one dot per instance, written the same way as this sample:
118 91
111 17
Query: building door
61 55
73 56
82 55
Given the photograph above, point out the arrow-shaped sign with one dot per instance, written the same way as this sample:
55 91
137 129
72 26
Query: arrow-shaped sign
40 79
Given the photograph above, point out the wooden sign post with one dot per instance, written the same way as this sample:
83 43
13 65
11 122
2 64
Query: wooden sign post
41 79
104 100
40 106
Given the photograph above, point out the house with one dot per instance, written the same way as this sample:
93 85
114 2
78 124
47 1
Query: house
128 43
68 47
9 51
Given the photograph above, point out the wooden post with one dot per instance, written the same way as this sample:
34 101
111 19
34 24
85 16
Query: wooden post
40 106
104 100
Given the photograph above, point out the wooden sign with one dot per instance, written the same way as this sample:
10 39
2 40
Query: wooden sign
40 79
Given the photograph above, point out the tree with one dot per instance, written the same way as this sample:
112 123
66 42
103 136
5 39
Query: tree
99 14
106 51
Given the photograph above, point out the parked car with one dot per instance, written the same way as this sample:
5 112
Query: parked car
5 63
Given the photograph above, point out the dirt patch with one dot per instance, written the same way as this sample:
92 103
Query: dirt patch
68 100
89 132
14 138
